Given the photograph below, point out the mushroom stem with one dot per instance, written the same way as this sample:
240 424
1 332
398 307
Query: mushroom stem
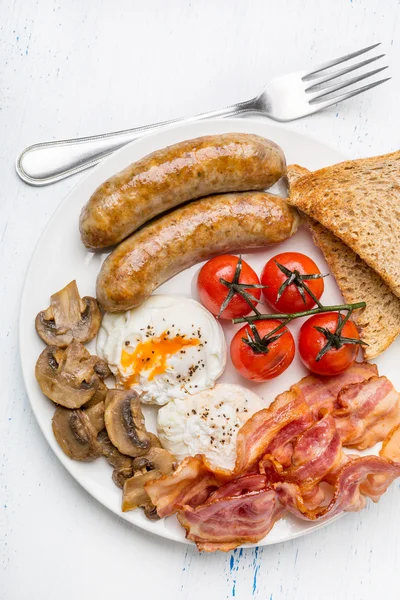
69 317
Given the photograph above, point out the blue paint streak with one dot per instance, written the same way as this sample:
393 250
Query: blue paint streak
233 569
256 566
234 561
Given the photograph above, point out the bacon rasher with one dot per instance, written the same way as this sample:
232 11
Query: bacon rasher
285 418
191 484
286 454
322 392
366 412
360 477
315 453
240 512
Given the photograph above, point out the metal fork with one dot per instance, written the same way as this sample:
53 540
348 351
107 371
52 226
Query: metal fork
284 98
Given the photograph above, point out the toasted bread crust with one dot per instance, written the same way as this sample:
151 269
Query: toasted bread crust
359 202
379 322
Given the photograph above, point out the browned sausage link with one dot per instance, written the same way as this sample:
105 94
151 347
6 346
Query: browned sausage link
189 235
186 171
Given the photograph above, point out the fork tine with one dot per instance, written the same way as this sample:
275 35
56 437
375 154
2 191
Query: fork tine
335 88
340 97
337 61
340 72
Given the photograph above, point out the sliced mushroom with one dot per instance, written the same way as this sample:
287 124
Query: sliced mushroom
120 475
99 395
76 434
70 377
125 423
154 464
96 416
135 495
154 441
69 317
122 464
156 459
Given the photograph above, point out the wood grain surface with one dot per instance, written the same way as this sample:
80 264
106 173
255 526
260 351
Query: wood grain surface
77 67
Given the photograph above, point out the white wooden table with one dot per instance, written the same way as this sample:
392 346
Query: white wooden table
76 67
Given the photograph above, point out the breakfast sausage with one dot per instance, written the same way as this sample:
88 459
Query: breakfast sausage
188 170
186 236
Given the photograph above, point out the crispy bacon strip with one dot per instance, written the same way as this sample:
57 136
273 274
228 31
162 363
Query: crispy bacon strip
359 477
238 513
190 484
376 484
314 497
366 412
281 447
263 427
299 441
316 452
391 445
272 430
255 482
321 392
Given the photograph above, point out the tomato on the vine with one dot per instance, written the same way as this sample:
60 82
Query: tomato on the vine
328 343
224 282
259 353
290 277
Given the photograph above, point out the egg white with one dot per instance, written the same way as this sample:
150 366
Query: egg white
194 369
207 423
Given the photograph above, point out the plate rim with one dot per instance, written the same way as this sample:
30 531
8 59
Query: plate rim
67 463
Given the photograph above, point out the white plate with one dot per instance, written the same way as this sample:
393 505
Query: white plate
61 257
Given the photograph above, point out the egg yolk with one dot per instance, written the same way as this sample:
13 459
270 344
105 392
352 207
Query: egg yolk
151 355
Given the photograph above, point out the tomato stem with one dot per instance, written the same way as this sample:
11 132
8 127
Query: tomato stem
258 344
305 313
334 338
242 289
298 279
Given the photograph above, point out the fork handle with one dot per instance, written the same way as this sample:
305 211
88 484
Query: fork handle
48 162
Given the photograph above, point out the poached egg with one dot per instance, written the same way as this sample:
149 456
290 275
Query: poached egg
167 348
207 423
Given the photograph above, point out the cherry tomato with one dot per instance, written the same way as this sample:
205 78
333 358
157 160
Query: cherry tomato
255 364
312 341
213 293
291 300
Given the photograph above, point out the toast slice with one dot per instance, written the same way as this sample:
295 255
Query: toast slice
379 322
359 202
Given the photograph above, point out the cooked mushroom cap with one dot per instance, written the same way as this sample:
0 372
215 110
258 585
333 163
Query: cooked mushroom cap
95 414
154 441
125 423
156 459
99 395
76 434
122 464
120 475
154 464
70 377
69 317
135 495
